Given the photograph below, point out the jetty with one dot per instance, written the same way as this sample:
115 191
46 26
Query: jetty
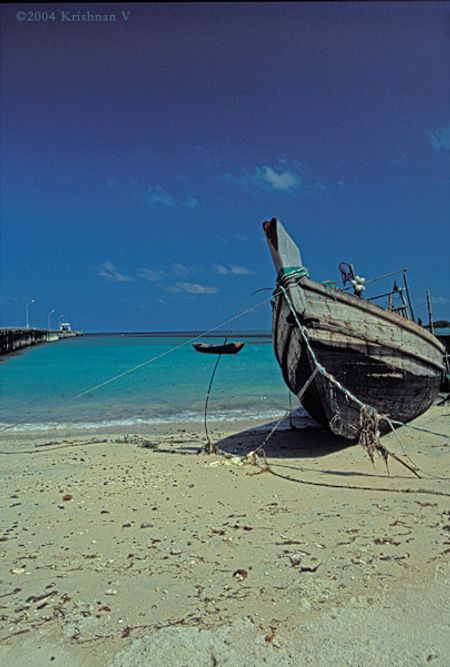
13 339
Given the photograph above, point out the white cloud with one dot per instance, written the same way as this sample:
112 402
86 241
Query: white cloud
195 288
157 195
440 138
192 202
281 178
285 180
232 268
150 274
240 270
109 271
181 270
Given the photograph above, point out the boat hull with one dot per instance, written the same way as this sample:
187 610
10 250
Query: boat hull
387 362
227 348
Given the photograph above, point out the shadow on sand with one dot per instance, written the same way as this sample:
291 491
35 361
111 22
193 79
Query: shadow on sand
309 441
288 449
298 445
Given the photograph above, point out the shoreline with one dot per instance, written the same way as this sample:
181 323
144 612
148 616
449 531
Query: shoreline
225 419
117 554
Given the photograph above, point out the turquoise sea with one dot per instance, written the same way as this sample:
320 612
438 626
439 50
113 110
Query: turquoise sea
172 388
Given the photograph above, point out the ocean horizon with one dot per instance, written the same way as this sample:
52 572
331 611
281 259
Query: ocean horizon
246 333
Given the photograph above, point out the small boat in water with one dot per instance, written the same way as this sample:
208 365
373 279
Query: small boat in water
334 347
225 348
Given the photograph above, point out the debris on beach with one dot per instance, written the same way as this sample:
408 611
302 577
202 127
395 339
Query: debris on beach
304 562
137 439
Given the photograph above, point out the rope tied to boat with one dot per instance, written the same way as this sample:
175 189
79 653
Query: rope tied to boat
367 432
291 276
260 450
292 273
337 424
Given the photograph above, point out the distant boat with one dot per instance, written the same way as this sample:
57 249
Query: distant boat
386 361
225 348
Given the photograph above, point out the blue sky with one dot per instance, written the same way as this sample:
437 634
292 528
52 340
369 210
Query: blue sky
140 157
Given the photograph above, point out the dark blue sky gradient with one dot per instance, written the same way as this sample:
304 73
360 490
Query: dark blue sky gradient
154 148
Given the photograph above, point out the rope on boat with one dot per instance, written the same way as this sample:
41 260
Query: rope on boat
333 380
260 449
295 272
368 433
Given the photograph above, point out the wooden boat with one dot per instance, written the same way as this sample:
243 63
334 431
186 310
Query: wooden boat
225 348
384 360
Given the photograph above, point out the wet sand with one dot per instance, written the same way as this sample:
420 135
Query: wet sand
116 554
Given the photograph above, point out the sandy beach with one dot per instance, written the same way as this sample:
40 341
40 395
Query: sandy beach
117 554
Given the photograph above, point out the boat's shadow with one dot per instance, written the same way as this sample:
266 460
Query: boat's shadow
292 446
311 441
295 445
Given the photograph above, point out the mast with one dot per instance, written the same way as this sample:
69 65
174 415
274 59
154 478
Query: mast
430 312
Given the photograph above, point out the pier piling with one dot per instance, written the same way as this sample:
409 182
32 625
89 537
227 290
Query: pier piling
12 339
